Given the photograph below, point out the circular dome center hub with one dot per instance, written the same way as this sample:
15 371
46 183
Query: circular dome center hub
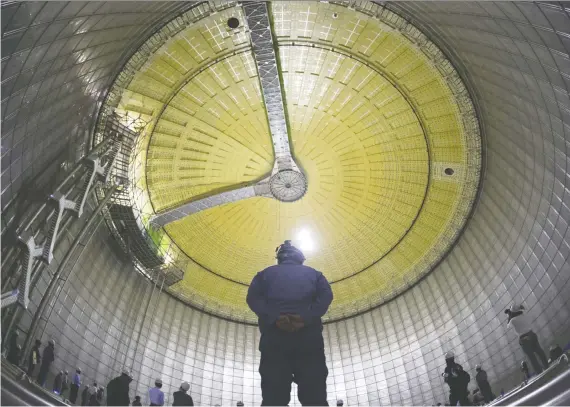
288 185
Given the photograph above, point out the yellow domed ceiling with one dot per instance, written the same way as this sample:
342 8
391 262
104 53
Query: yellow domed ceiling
379 122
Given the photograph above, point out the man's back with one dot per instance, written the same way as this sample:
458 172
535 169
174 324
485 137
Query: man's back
289 288
481 376
181 398
290 300
156 396
118 392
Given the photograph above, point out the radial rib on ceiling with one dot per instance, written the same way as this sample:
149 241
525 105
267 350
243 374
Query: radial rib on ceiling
257 17
172 215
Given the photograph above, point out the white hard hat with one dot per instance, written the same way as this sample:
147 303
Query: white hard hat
516 307
449 355
158 381
185 386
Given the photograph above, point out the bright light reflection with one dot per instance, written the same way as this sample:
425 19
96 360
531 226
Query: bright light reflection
305 241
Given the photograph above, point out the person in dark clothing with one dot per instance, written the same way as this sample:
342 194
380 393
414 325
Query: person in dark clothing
100 393
92 395
181 397
554 353
524 369
84 395
47 358
137 401
57 382
64 384
118 390
484 386
14 349
35 358
457 380
289 300
528 340
75 385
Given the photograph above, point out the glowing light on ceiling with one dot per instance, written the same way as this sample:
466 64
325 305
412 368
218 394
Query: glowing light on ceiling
305 241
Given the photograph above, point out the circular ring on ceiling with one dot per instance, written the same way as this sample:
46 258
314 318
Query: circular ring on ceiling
288 185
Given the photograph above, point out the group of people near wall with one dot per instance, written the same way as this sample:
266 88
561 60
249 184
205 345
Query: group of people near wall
458 379
289 299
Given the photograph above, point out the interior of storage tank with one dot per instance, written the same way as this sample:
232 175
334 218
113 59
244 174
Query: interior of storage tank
154 155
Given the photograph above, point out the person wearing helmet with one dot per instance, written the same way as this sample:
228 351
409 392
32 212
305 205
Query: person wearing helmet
35 358
75 385
92 395
64 384
137 401
85 395
524 369
155 395
181 397
520 322
289 300
118 390
483 383
57 382
457 380
47 358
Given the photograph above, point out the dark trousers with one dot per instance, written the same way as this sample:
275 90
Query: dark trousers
73 393
531 347
459 395
42 375
486 391
288 357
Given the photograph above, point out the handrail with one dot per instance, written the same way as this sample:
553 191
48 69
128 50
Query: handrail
17 394
560 400
535 384
545 393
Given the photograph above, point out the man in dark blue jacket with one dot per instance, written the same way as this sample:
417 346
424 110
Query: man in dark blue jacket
289 300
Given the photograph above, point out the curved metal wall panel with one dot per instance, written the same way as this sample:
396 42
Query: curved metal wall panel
58 59
516 246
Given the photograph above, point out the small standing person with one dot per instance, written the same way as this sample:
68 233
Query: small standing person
47 359
457 379
483 383
57 383
155 395
64 384
75 385
35 358
520 322
118 389
181 397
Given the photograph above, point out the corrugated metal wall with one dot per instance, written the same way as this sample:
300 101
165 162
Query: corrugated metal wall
59 58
